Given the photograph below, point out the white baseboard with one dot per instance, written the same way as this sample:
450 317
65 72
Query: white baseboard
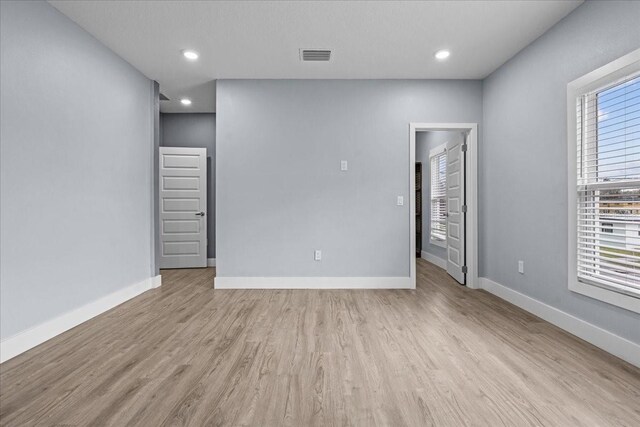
313 283
609 342
156 281
435 260
211 262
25 340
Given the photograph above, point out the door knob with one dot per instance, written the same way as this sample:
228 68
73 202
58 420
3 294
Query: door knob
200 213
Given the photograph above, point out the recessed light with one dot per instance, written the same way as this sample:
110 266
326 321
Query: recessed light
443 54
191 55
185 101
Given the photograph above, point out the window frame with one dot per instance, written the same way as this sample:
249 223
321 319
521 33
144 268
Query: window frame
595 80
440 149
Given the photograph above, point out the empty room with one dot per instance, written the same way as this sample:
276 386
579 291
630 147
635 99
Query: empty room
319 213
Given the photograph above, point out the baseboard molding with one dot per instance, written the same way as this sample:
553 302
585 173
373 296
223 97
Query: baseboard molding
435 260
313 283
211 262
23 341
607 341
156 281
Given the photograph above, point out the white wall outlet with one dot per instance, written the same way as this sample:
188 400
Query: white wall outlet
344 165
317 255
521 267
400 201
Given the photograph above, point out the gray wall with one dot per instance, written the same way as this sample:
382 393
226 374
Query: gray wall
196 130
523 159
279 147
76 139
425 142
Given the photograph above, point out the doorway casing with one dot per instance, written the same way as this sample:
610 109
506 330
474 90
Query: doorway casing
471 180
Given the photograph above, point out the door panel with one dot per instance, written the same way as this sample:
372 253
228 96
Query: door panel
183 202
180 182
181 226
181 205
186 161
455 215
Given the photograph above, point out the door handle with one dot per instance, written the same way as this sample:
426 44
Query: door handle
200 213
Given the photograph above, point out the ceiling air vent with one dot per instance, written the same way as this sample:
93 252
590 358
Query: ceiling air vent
315 54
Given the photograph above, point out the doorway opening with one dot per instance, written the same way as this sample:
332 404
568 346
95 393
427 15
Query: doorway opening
447 194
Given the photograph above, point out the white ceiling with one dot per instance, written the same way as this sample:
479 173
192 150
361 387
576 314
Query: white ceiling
261 39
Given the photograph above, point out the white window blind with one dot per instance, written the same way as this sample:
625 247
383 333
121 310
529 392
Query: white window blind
438 222
608 187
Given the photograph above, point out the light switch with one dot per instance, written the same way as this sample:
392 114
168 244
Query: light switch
344 165
521 267
400 201
317 255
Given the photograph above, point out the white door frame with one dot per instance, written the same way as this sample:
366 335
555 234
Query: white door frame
471 182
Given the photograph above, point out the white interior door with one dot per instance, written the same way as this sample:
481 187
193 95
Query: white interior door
455 214
183 207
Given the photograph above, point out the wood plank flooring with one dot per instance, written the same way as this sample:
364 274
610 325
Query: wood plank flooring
442 355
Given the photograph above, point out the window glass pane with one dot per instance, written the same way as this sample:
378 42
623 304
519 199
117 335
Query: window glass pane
618 132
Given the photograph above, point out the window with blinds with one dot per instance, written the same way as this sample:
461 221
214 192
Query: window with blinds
438 221
608 187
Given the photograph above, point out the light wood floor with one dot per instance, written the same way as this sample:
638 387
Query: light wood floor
442 355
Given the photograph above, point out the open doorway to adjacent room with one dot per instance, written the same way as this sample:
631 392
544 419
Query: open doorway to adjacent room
443 206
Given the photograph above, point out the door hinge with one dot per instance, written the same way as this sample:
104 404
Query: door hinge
464 148
464 269
464 208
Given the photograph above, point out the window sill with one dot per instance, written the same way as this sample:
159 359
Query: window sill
618 299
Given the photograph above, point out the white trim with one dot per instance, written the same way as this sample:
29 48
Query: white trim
610 72
471 174
156 281
435 260
437 150
628 302
211 262
607 341
412 204
155 136
25 340
613 70
313 283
